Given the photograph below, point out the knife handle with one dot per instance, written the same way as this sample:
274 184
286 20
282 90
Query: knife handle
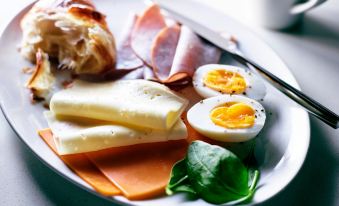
311 105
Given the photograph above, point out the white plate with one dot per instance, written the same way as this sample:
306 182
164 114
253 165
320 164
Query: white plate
280 150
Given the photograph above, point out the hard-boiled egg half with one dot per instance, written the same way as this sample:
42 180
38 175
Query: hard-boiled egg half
227 118
215 79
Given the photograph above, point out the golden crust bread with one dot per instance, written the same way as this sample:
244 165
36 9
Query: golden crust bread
73 32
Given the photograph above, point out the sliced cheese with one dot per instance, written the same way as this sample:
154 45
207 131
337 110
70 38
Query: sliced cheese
140 171
83 167
77 135
135 102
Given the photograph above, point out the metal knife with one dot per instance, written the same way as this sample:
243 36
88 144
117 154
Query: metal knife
309 104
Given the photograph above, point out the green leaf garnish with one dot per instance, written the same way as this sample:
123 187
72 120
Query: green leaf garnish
213 173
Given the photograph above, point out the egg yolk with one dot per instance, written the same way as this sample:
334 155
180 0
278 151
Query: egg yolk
233 115
224 81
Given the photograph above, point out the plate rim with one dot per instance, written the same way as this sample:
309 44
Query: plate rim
89 188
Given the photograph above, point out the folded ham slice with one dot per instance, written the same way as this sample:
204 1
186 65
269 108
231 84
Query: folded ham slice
126 58
149 74
167 52
163 51
190 53
146 29
143 72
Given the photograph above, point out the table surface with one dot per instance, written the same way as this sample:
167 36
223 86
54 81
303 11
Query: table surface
311 51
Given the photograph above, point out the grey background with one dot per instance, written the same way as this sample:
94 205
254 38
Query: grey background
311 51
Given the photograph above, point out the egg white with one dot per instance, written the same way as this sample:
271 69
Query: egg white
199 118
255 88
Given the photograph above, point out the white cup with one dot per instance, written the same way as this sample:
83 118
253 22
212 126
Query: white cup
280 14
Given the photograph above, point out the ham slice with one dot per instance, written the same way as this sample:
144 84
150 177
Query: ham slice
146 28
143 72
126 58
173 53
149 74
191 52
163 51
135 74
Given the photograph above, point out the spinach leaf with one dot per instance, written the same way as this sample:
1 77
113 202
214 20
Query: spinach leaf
214 174
179 181
218 176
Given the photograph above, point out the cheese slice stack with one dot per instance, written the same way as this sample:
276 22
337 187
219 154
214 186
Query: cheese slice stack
135 102
94 116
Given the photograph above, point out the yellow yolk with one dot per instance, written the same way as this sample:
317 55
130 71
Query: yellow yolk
233 115
225 81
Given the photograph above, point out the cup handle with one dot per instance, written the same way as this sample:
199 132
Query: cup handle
303 7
